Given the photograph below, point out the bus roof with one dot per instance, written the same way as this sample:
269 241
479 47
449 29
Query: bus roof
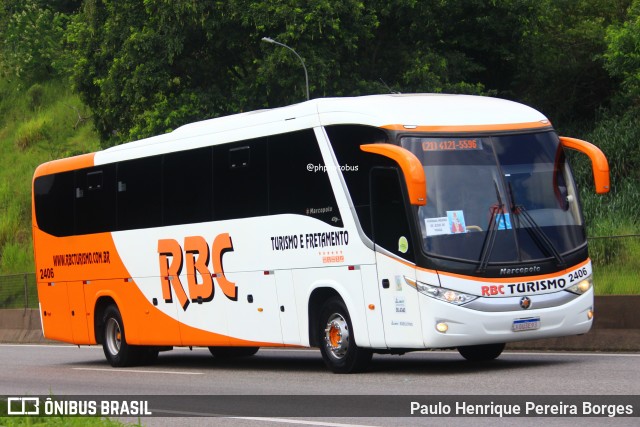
429 112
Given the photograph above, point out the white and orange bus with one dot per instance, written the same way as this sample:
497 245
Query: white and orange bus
376 224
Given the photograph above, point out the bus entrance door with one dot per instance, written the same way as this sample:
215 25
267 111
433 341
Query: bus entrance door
394 260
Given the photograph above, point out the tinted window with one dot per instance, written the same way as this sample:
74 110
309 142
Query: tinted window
95 196
187 187
275 175
390 222
298 182
54 199
346 141
139 193
240 179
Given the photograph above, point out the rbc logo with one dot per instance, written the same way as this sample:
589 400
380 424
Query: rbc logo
197 255
492 290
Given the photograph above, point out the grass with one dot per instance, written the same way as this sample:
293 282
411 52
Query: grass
616 280
37 124
616 260
55 420
35 421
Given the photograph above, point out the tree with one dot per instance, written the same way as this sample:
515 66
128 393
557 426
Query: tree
146 68
622 57
560 65
31 41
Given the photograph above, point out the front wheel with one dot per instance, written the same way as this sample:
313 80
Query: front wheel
337 345
481 353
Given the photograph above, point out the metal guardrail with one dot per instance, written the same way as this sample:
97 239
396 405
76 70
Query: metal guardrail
18 291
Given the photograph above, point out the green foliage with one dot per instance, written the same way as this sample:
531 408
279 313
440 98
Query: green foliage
31 42
560 68
34 95
57 420
618 137
623 56
44 131
146 68
32 131
43 421
616 259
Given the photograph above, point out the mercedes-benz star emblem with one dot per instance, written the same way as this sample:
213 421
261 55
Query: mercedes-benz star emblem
525 302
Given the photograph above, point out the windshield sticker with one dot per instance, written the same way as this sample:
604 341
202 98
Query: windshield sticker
456 222
403 245
437 226
503 221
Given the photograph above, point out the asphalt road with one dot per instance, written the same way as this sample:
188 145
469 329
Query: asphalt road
67 370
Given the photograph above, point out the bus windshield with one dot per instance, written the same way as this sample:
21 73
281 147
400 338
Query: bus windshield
497 199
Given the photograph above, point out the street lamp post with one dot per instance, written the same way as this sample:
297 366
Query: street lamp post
306 76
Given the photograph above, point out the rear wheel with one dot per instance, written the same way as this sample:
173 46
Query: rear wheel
232 352
337 344
114 342
481 353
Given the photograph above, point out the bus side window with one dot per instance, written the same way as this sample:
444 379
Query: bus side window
346 141
54 203
140 193
388 212
187 187
240 179
95 199
239 157
298 181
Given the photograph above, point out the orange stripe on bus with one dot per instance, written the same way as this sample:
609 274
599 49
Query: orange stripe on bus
488 279
513 278
470 128
99 264
64 165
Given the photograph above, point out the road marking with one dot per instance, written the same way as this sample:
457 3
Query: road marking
304 422
139 371
262 419
567 353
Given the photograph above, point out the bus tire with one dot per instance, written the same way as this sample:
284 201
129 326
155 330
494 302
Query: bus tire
232 352
481 353
337 345
114 342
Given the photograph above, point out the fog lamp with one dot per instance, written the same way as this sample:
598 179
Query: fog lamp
442 327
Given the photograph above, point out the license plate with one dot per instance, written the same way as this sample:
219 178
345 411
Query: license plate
528 324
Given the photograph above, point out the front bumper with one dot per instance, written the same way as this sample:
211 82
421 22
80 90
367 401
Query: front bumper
471 327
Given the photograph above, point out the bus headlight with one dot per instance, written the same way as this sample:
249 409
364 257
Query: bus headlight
443 294
582 286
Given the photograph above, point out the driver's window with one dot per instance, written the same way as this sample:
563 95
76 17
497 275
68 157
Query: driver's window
388 212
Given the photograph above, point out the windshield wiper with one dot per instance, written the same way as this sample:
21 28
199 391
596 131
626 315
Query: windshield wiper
535 231
490 237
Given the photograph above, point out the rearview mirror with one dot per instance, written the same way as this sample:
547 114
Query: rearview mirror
599 163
